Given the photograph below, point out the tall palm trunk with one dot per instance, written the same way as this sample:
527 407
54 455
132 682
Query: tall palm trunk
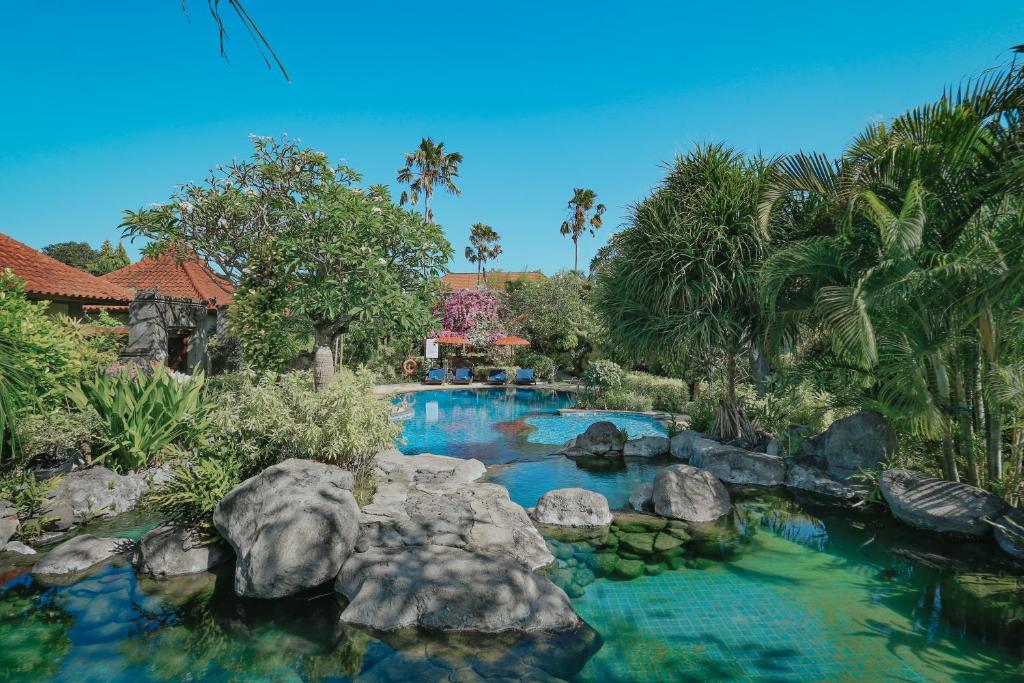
942 389
966 435
759 367
993 420
731 422
576 251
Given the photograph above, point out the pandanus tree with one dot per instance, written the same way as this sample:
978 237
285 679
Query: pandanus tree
583 214
682 286
918 262
484 246
426 169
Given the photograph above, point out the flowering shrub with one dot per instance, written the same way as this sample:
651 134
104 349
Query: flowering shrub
476 313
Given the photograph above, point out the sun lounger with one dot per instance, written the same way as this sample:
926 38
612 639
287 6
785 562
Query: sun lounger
462 376
497 376
525 376
436 376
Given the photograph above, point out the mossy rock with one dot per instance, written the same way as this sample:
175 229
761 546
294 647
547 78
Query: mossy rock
574 590
671 552
699 563
605 563
561 550
677 532
629 569
665 542
640 543
560 576
583 576
629 523
655 569
677 562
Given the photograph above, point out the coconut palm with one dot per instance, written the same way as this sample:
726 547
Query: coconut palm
483 247
426 168
682 287
582 215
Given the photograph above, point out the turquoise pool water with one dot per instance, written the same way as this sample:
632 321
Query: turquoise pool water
780 591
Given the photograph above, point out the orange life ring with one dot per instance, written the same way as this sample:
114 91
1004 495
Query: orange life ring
409 366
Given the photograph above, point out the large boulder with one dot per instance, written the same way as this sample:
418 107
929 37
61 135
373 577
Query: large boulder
8 522
806 476
444 588
95 492
642 498
690 494
602 439
646 447
938 505
1009 533
688 443
740 466
176 550
436 500
573 507
79 554
291 526
862 441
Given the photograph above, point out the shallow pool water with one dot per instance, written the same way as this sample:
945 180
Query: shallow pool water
782 590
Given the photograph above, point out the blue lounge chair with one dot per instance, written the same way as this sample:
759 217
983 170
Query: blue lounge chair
525 376
497 376
436 376
463 376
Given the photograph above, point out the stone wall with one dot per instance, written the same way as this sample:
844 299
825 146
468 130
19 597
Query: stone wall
153 319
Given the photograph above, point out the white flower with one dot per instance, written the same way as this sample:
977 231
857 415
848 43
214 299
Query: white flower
376 209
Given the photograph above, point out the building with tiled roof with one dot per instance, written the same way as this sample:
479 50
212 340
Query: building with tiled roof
67 288
171 275
495 280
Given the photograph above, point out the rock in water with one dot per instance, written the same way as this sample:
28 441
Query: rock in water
450 589
687 444
602 439
862 441
807 477
175 551
79 554
690 494
740 466
291 526
573 508
938 505
1009 532
642 498
646 447
98 491
435 500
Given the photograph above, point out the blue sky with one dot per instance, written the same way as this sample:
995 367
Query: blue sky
107 106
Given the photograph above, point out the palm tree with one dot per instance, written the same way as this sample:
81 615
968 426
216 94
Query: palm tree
483 247
582 213
429 166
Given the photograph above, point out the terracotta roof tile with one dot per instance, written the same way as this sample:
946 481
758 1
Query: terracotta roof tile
171 276
46 277
456 281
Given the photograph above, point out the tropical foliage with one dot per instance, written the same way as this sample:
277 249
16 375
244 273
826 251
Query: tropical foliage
583 213
82 256
484 246
426 169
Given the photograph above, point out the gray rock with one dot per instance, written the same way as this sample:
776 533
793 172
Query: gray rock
79 554
19 548
8 526
291 526
1009 533
858 442
646 447
573 507
687 444
59 514
642 498
450 589
740 466
601 439
807 477
176 551
435 500
98 491
690 494
938 505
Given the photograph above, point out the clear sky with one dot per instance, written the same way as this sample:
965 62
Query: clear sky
108 105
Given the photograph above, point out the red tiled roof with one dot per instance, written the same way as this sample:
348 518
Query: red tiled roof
48 278
171 276
498 280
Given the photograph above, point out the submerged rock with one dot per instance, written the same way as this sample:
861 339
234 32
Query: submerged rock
573 507
805 476
642 498
988 605
687 444
1009 533
79 554
646 447
739 466
602 439
175 551
291 526
862 441
450 589
435 500
690 494
938 505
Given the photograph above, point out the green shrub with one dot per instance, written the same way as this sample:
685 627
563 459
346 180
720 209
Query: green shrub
616 399
193 491
665 393
56 429
542 365
602 375
271 419
142 412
